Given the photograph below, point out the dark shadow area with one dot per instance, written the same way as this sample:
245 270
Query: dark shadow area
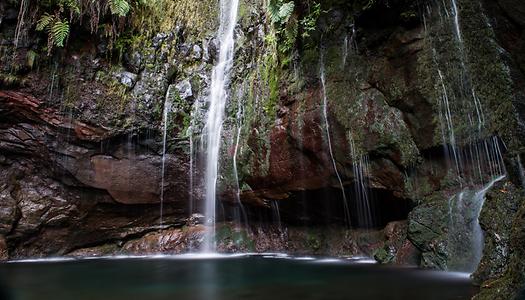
324 207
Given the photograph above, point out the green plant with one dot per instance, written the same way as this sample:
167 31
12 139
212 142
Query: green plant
31 58
120 7
57 16
56 28
280 11
309 22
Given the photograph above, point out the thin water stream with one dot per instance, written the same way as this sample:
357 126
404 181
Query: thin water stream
328 138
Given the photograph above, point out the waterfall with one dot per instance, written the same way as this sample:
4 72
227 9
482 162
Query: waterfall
217 103
166 111
240 115
277 215
448 131
478 241
345 51
348 44
476 155
329 140
521 171
190 193
361 171
53 79
456 21
465 236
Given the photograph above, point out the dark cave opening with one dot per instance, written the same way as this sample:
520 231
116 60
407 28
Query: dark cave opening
322 207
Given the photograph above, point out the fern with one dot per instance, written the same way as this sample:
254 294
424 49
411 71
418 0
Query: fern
280 12
309 22
59 32
285 11
72 5
273 11
119 7
44 22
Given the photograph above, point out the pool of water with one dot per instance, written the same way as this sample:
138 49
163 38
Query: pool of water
224 277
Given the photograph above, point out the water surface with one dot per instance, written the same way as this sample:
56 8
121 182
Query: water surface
238 277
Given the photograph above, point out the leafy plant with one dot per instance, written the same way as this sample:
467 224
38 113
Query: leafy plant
44 21
60 14
119 7
279 11
56 28
59 32
285 26
309 22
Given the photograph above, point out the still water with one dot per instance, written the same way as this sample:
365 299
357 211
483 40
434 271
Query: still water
228 277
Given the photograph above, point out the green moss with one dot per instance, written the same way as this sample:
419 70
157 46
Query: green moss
383 255
117 93
10 80
511 282
312 241
226 234
31 58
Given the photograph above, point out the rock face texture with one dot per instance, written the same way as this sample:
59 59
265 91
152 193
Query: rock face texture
412 103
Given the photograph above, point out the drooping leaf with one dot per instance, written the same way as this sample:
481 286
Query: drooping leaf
44 22
59 32
273 11
285 11
72 5
119 7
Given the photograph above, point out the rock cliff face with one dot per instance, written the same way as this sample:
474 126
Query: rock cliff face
81 133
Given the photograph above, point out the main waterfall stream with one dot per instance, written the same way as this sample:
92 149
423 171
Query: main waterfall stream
217 101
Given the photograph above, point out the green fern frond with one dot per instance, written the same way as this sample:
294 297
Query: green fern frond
119 7
285 11
273 11
44 22
72 5
59 32
280 12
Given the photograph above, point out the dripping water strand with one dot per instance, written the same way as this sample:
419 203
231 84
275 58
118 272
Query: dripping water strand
21 21
240 116
361 173
165 113
449 130
329 141
190 137
521 170
456 22
348 45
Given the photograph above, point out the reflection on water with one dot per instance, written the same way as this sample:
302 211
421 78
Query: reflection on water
248 277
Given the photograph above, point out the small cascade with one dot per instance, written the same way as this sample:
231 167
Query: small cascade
191 162
478 240
21 24
365 218
242 216
348 45
482 152
277 215
447 126
455 13
475 155
521 171
217 101
465 236
165 114
328 138
54 80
